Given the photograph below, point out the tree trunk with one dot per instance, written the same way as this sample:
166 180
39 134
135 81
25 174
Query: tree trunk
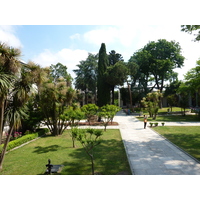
113 94
73 142
1 120
5 147
92 161
131 106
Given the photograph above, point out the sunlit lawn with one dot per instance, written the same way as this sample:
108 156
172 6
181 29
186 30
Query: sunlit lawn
164 110
185 137
173 118
110 156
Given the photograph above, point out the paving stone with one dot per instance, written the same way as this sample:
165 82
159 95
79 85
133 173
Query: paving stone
151 154
174 172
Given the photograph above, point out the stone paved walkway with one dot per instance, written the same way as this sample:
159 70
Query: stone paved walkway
149 153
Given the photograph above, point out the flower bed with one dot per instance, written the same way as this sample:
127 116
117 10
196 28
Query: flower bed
97 124
14 143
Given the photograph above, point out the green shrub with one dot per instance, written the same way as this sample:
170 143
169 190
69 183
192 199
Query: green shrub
151 124
156 124
27 132
24 139
42 131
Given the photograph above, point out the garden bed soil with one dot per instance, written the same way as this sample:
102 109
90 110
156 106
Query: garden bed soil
97 124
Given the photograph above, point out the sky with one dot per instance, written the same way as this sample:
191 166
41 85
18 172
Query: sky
69 44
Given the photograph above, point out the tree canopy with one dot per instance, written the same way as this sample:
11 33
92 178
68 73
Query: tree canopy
191 29
103 88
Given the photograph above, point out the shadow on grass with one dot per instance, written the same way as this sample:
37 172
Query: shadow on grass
40 150
109 159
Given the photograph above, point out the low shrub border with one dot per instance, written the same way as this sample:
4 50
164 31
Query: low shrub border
15 143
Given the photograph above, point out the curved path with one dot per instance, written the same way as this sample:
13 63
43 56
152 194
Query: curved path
151 154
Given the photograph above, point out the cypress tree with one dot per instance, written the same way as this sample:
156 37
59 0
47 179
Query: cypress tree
103 88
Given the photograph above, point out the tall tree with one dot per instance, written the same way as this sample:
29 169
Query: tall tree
163 59
9 67
103 88
114 57
184 92
16 88
60 71
192 78
116 75
16 108
113 70
55 95
86 75
140 74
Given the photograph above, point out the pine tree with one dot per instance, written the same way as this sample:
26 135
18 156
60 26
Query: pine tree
103 88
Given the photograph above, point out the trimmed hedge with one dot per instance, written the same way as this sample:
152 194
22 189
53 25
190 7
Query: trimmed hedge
24 139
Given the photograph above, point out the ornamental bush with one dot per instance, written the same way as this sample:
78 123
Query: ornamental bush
24 139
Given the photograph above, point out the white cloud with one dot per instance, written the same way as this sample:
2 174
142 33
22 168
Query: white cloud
127 39
67 57
102 35
75 36
7 36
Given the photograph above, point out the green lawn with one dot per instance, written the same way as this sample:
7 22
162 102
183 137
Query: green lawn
187 138
110 156
164 110
173 118
174 109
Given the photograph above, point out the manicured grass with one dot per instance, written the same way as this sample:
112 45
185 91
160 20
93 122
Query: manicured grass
173 118
174 109
187 138
164 110
110 157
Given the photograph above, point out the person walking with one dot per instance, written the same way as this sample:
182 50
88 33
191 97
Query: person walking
145 121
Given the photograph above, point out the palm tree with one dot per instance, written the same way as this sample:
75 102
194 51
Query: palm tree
54 98
16 107
9 66
55 94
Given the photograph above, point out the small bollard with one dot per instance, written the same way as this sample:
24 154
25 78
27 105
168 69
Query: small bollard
49 166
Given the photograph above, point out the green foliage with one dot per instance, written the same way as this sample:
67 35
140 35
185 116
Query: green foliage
183 92
73 115
114 57
60 71
156 124
156 62
151 103
103 88
24 139
192 28
108 112
89 138
86 75
90 110
117 74
35 116
55 95
172 100
192 77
